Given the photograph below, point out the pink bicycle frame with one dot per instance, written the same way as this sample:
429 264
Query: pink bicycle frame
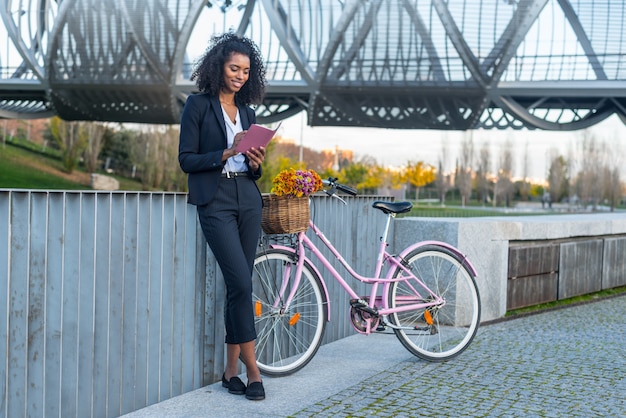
383 256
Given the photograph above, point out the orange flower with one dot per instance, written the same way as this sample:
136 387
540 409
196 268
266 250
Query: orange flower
296 183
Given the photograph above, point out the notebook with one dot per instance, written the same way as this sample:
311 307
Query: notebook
257 136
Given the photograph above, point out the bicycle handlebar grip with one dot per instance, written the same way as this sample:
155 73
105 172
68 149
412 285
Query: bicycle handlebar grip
333 182
346 189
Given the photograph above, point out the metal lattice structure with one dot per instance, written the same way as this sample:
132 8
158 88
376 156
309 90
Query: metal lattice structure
409 64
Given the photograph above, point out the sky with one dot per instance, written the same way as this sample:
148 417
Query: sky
394 147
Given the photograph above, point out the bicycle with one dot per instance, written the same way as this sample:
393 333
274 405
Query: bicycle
429 297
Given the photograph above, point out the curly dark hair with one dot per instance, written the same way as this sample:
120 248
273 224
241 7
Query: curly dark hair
209 70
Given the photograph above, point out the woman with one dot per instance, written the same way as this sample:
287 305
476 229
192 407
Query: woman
230 76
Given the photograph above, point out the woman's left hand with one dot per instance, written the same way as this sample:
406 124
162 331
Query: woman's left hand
255 158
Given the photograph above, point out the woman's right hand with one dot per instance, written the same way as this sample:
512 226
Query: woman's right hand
237 139
230 152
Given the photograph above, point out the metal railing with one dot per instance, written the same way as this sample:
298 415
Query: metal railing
112 301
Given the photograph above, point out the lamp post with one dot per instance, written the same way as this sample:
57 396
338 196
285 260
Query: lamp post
300 156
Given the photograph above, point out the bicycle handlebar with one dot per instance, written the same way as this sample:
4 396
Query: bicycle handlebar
334 186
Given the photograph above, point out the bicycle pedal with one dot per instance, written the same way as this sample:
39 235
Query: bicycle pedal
358 303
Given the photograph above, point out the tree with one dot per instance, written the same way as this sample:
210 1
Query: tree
70 139
557 178
612 187
155 154
482 173
590 170
419 174
463 173
376 177
95 141
442 181
572 187
504 183
524 189
611 178
355 175
121 150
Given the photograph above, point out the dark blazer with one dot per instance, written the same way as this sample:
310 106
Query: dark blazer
202 142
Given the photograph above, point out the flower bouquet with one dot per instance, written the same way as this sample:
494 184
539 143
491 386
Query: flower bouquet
286 208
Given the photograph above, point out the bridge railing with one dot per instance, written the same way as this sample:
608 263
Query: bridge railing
112 301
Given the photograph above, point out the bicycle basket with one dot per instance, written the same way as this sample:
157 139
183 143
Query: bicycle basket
285 215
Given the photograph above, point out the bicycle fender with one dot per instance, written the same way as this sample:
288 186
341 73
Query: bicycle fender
291 250
446 246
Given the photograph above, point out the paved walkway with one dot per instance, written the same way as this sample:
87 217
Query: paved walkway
563 363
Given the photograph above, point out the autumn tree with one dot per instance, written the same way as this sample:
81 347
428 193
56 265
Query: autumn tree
374 179
418 174
355 175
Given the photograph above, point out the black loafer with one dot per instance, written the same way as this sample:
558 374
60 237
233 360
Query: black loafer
255 391
234 385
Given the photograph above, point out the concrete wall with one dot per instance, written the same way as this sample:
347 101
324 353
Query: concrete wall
486 242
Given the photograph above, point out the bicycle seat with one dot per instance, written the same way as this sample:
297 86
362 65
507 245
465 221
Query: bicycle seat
393 207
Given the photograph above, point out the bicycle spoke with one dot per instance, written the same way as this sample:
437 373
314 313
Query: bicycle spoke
289 332
442 330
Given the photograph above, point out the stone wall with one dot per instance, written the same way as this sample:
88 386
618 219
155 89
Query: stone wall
590 250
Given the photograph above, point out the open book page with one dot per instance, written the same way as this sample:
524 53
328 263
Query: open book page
257 136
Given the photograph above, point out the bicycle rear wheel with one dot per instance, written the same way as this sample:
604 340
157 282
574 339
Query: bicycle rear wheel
439 332
287 336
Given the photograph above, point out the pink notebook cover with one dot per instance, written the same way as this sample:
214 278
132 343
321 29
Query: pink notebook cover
257 136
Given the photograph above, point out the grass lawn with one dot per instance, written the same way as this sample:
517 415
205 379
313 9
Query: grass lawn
24 169
460 212
18 170
591 297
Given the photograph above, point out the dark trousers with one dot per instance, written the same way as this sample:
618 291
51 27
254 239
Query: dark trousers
231 224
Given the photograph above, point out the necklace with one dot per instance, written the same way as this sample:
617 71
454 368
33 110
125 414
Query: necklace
226 103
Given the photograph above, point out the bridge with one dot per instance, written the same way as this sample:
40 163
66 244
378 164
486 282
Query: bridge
406 64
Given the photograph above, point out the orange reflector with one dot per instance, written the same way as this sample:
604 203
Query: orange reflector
257 308
294 319
428 317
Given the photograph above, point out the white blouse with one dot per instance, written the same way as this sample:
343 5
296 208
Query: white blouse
238 161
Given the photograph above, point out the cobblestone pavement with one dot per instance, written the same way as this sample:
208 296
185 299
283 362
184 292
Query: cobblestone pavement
568 362
563 363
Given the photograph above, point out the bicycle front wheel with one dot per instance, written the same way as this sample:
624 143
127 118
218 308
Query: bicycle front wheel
442 331
289 332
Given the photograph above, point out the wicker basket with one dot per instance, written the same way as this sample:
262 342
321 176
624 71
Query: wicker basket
285 215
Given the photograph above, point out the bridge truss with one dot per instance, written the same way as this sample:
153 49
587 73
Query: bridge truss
407 64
